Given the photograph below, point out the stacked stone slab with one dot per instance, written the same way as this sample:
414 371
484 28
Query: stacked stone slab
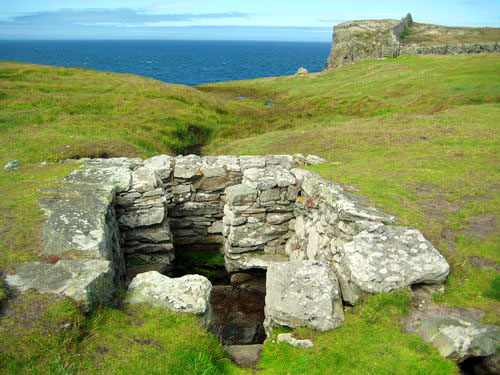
142 216
258 212
197 190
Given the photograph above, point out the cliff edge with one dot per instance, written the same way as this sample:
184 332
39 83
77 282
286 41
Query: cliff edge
359 40
371 39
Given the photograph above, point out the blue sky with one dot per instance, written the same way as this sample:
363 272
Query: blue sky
310 20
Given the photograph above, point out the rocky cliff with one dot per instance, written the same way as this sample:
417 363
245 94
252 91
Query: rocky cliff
359 40
371 39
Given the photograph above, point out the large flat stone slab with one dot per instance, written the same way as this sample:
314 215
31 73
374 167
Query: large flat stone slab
386 259
90 281
302 294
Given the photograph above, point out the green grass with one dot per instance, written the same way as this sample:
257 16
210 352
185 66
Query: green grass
369 342
41 335
428 34
418 136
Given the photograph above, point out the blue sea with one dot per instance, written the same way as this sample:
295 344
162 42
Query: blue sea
184 62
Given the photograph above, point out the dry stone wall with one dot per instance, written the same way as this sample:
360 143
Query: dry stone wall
450 49
116 218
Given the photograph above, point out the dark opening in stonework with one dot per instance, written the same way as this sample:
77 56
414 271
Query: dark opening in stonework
237 300
475 366
239 309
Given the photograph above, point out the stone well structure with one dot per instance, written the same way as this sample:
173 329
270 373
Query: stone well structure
321 246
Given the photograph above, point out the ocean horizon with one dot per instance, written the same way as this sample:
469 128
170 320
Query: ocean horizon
187 62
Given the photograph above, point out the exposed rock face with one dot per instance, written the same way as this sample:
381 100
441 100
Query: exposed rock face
460 338
89 281
358 40
187 294
303 294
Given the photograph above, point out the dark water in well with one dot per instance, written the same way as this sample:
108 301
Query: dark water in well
184 62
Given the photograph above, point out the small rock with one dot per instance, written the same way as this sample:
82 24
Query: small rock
288 338
13 164
314 160
245 356
301 71
458 338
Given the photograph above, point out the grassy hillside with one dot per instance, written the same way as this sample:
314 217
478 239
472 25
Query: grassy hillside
418 136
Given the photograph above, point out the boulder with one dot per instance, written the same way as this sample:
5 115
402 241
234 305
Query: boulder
386 259
301 71
302 294
13 164
187 294
89 281
458 338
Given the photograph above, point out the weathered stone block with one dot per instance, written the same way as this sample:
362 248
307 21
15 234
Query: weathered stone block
188 294
387 259
89 281
302 294
240 195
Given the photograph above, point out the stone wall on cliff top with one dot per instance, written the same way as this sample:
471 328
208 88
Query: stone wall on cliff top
115 218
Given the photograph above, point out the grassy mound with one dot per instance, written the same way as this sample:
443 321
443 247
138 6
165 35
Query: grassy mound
418 136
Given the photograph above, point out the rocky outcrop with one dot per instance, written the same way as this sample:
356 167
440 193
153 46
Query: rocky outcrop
358 40
187 294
